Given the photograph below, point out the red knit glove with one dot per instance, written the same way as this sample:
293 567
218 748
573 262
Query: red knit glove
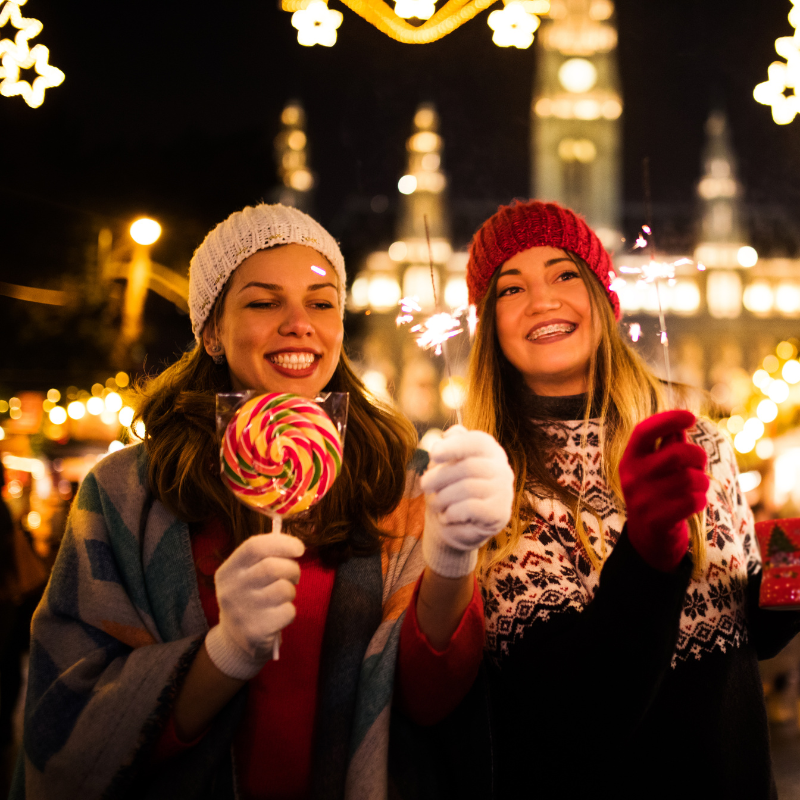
663 485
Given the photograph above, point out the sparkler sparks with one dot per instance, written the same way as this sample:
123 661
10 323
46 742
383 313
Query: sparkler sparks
653 272
472 320
434 331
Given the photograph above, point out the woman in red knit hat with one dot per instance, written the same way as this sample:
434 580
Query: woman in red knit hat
621 602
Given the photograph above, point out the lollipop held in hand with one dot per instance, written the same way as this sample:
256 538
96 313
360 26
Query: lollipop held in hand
280 454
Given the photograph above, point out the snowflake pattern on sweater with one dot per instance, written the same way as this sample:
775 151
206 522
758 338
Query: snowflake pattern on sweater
548 572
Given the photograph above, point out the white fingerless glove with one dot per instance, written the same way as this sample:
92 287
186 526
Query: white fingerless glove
469 494
255 590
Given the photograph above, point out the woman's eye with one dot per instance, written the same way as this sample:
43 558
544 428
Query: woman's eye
569 275
262 304
509 290
322 304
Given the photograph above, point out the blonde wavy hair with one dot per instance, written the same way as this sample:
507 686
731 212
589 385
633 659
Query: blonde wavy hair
496 403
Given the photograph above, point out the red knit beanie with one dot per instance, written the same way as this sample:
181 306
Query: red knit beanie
522 225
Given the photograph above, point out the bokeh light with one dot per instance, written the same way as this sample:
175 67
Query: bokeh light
145 231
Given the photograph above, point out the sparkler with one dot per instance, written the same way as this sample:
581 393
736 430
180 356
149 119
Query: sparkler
433 332
653 272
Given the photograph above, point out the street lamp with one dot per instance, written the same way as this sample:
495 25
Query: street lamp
145 233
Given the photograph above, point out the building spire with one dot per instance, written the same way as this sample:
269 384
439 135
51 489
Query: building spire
291 155
423 186
422 196
720 196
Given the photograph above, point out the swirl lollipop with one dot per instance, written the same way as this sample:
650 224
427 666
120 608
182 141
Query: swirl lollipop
280 454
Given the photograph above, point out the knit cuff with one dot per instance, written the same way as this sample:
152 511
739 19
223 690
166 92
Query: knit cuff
229 658
445 560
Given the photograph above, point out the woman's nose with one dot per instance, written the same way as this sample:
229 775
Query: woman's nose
542 299
295 322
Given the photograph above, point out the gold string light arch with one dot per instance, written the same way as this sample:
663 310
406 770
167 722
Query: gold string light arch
513 26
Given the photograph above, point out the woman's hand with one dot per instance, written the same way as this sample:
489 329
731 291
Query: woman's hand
469 493
663 486
255 590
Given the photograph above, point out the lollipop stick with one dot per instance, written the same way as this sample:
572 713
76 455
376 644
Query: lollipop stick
277 524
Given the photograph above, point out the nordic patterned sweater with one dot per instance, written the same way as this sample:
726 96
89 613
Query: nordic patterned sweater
632 682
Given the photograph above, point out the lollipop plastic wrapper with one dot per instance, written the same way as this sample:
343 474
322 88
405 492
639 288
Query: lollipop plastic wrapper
280 453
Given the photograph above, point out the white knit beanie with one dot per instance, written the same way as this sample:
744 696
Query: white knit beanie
246 232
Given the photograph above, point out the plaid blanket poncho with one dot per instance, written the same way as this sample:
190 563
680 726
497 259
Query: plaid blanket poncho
118 627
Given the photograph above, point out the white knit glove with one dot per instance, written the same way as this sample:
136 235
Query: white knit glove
255 589
469 493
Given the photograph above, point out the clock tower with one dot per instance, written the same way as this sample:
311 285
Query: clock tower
576 114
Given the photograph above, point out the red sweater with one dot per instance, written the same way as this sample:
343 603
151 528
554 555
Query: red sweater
274 742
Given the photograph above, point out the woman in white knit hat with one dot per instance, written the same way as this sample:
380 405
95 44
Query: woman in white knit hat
151 670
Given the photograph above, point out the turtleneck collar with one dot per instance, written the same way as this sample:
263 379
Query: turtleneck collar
557 408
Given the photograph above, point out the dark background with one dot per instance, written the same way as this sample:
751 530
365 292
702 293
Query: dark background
170 110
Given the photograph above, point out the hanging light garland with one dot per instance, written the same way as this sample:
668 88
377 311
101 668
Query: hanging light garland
513 26
107 401
780 90
17 54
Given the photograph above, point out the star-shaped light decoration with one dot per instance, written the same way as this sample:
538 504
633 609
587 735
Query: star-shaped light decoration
26 30
779 91
513 26
317 24
32 94
783 78
421 9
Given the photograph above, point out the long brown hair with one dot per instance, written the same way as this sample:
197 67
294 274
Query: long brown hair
496 403
178 408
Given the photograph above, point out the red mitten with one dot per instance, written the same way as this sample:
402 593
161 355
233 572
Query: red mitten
663 486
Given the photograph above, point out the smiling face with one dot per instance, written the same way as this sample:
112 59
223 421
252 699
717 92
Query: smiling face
281 328
544 321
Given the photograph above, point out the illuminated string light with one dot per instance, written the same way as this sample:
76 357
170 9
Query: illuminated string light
513 26
410 9
317 24
17 54
780 89
26 30
450 16
33 94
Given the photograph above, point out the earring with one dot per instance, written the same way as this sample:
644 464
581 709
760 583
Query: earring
217 353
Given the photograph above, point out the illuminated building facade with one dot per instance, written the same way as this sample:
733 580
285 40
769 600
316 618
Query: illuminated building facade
576 114
391 359
291 158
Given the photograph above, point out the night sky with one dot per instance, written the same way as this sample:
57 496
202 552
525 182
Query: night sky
170 109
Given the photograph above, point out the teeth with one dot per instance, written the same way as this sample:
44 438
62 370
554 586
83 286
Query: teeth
293 360
550 330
